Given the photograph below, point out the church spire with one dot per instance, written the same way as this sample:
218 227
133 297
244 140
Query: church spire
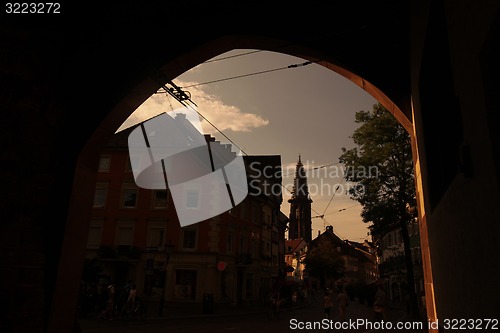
300 188
300 206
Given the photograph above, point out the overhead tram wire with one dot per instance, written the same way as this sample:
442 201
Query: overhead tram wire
342 209
316 168
322 216
233 56
182 96
170 103
325 222
250 74
311 207
333 196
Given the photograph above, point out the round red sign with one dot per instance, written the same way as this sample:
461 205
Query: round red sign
221 265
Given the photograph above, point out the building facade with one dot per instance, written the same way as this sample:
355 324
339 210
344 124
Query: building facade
392 266
295 254
360 264
135 235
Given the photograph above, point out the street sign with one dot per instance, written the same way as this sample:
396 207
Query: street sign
221 265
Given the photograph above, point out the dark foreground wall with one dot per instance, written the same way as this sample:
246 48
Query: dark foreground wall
69 80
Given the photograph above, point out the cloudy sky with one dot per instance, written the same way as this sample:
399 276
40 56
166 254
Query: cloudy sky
266 108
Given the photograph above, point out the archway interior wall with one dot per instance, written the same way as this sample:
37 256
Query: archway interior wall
458 168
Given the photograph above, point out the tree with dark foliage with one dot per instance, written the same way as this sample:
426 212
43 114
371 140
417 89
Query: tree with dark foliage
324 262
381 166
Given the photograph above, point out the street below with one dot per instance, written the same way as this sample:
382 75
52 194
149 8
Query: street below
308 317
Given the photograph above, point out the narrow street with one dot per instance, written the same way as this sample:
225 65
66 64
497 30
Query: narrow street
301 318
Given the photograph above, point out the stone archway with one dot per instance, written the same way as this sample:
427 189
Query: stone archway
76 232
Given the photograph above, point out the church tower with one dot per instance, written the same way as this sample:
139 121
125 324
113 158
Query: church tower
300 225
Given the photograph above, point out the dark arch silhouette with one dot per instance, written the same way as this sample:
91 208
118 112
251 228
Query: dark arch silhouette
70 80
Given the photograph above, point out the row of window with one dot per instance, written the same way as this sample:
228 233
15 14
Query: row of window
105 164
184 287
256 213
186 281
393 239
156 236
129 196
159 200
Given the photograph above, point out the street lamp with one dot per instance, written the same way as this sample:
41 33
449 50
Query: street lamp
169 248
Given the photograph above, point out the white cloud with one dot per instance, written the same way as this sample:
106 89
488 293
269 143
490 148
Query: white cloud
224 117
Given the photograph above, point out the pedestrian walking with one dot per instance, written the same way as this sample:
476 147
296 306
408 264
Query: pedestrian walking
107 313
275 304
327 304
380 304
343 302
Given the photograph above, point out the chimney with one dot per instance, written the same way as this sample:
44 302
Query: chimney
180 116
